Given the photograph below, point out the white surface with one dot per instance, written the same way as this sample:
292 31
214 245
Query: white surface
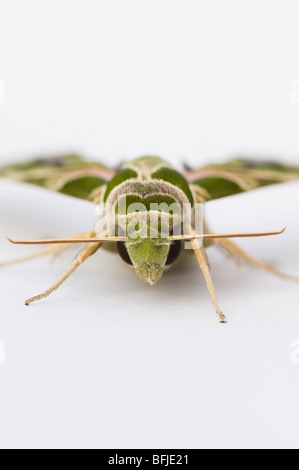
108 361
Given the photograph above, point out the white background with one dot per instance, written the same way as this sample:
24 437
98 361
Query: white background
108 361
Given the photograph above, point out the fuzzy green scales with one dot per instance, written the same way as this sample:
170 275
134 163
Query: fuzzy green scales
149 180
74 176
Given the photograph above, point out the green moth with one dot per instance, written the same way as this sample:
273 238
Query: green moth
149 182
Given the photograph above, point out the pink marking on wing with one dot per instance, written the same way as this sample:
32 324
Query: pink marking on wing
103 173
198 174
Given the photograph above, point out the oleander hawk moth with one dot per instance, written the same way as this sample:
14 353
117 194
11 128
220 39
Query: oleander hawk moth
149 181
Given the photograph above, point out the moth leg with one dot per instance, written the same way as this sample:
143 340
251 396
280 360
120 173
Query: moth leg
88 251
240 255
204 266
50 250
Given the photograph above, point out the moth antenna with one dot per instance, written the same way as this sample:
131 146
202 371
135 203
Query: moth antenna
53 250
123 239
228 235
66 241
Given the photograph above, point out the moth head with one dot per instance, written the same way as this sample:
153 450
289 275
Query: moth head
149 256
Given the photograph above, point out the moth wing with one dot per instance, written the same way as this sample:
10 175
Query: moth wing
237 176
71 175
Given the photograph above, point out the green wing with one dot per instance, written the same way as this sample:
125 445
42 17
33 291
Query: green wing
69 175
238 176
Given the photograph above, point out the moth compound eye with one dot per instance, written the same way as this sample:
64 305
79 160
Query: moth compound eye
123 253
174 252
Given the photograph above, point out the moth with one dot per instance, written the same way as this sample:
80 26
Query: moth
147 181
